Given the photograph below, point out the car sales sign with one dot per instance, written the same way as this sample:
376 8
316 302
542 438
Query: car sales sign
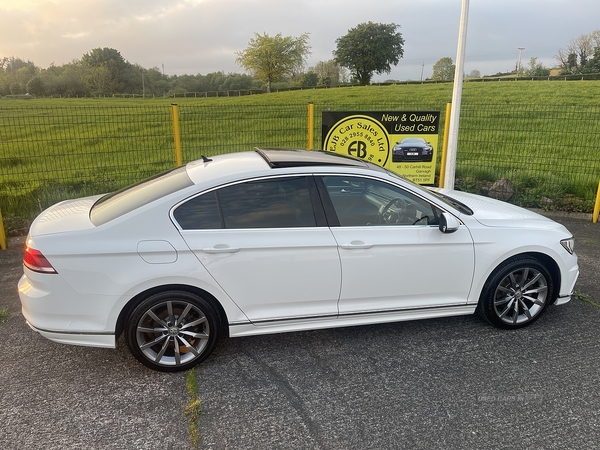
405 142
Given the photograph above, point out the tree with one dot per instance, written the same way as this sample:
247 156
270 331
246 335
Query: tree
443 70
593 65
106 69
474 74
99 78
309 79
369 48
574 59
36 86
270 58
536 69
330 73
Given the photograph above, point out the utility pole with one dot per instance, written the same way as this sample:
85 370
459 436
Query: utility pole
422 67
519 62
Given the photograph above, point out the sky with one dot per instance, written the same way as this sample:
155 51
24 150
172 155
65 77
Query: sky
203 36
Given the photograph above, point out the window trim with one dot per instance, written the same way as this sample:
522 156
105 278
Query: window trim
316 202
332 217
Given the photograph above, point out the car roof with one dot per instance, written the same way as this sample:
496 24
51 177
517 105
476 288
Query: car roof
263 160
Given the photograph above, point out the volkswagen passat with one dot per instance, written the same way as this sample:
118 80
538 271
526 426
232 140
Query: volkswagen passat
281 240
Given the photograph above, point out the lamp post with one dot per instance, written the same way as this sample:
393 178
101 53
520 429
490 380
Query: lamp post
456 98
519 62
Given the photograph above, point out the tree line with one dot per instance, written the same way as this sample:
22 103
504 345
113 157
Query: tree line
582 56
270 62
103 71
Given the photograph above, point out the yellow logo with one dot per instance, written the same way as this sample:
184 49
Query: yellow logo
359 136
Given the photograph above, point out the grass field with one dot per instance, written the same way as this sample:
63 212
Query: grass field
543 136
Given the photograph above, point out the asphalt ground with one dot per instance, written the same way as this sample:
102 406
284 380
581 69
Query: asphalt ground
443 383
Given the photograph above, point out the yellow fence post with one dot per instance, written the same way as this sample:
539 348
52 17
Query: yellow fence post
597 206
311 125
176 134
2 233
445 145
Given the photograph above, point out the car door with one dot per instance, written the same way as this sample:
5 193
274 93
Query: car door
393 255
267 244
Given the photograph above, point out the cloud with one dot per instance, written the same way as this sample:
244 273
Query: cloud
202 36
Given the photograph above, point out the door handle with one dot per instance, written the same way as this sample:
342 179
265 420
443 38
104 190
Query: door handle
221 248
354 245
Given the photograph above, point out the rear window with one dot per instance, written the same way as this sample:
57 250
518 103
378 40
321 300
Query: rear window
132 197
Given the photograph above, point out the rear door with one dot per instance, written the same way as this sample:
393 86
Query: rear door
267 245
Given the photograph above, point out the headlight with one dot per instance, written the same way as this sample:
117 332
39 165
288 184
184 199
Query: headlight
568 244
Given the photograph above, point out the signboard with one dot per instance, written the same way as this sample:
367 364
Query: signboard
405 142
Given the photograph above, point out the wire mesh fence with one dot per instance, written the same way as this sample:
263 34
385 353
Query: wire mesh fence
52 153
547 152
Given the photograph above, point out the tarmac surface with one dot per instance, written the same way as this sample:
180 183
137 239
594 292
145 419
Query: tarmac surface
442 383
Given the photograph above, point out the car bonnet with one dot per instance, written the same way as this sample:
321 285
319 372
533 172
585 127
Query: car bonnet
496 213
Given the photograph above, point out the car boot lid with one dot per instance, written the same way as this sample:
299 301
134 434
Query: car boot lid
69 215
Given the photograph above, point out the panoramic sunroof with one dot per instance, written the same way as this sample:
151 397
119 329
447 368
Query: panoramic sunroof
279 158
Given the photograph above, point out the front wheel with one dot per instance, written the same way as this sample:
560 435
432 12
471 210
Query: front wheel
172 331
516 293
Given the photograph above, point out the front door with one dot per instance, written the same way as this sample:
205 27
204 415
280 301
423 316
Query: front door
393 255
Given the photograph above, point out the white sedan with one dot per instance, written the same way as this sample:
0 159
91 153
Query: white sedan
273 241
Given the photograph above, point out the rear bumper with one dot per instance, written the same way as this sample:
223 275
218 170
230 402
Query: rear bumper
85 339
55 311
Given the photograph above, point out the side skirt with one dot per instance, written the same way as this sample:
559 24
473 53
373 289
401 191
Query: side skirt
348 320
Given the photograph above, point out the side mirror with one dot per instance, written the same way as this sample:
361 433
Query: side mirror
448 223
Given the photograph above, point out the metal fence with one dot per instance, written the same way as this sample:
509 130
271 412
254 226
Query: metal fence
548 152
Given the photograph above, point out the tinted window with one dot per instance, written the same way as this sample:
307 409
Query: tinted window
275 203
366 202
121 202
199 213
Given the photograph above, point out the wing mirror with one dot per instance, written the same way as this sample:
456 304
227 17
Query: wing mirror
448 223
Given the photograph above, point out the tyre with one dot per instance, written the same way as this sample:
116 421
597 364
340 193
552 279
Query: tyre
172 331
516 293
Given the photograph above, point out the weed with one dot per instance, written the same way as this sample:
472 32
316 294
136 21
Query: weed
193 410
4 314
585 298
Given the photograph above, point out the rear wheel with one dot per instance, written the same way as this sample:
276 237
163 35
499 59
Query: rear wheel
516 293
172 331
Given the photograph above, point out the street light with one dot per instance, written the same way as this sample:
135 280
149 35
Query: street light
450 170
519 62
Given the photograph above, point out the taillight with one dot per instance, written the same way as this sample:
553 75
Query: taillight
34 260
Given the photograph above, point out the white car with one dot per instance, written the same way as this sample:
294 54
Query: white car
273 241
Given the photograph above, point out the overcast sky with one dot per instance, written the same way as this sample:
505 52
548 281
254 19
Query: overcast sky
202 36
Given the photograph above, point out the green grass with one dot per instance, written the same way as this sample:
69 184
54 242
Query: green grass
4 313
541 135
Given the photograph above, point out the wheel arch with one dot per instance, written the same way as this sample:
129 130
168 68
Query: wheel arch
552 267
546 260
131 304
